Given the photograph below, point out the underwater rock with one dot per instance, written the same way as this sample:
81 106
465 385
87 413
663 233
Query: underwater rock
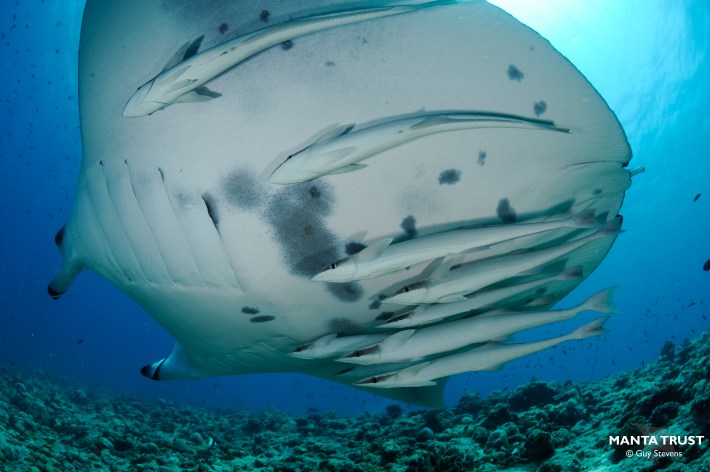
532 394
498 440
538 445
424 434
564 427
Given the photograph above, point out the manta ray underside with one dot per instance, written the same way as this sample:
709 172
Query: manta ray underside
175 208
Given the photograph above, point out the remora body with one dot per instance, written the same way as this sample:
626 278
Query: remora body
332 345
340 150
413 344
383 258
183 77
431 313
446 286
488 357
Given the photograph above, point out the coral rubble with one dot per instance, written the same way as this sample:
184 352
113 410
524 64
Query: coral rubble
48 424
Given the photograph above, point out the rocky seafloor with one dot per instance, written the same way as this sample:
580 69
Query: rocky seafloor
50 425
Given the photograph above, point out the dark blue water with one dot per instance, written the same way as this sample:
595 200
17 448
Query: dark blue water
648 59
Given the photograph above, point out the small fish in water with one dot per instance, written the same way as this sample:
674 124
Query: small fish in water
340 150
697 197
706 266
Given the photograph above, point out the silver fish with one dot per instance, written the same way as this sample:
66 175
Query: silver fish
183 77
490 356
510 295
342 149
382 257
446 286
497 325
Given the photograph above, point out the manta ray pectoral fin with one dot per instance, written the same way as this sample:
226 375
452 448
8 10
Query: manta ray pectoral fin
185 51
335 133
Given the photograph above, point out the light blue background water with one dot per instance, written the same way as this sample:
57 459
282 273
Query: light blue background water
647 58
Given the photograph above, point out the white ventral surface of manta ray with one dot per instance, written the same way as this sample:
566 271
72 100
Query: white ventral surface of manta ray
177 211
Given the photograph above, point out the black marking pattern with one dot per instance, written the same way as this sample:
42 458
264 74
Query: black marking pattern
250 310
409 225
482 158
244 190
449 177
506 212
540 107
515 74
262 319
353 248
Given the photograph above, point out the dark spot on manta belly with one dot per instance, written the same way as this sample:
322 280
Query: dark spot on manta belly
342 326
250 310
597 191
375 305
353 248
211 205
409 225
540 107
314 192
349 292
506 212
449 177
482 158
264 16
262 319
223 28
515 74
244 190
286 45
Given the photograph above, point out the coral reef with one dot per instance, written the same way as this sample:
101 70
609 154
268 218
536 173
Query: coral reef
48 424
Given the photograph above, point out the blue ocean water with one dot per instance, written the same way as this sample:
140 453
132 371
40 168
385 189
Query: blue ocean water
647 59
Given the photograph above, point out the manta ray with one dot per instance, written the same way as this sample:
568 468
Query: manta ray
175 207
